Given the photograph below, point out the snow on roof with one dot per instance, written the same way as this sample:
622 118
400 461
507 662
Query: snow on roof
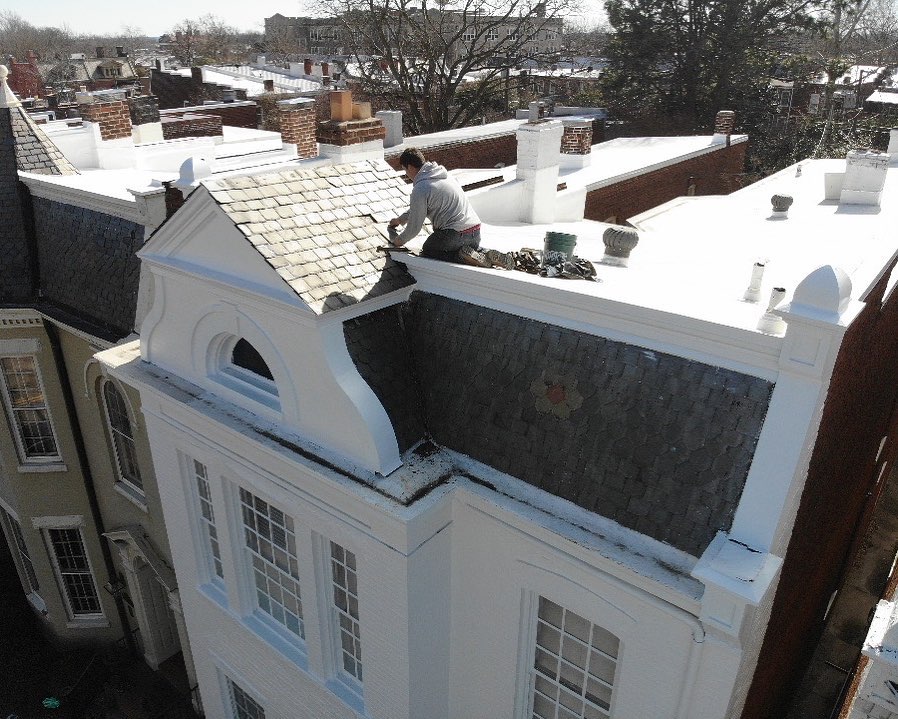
253 79
856 74
884 96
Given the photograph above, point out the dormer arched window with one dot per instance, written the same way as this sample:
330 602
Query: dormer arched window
242 369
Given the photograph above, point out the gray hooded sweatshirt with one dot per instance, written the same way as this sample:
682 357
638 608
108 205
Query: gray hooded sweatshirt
437 196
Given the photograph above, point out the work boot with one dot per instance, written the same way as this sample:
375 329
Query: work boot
469 256
505 260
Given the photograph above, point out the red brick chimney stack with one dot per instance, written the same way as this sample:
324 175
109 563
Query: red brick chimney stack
342 131
113 118
724 124
298 122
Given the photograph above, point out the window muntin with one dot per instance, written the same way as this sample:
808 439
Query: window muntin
15 529
573 667
345 606
74 572
243 705
207 520
122 436
271 551
24 396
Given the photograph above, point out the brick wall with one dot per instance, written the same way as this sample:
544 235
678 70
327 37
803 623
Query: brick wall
298 125
143 109
485 153
351 132
232 114
837 503
88 263
713 173
114 118
191 125
577 139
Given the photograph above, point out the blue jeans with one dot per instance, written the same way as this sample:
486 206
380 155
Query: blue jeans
445 244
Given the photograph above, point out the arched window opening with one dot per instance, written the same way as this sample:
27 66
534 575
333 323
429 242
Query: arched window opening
122 437
247 357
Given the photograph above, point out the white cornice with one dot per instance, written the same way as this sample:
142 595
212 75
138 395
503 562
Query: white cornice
67 195
733 348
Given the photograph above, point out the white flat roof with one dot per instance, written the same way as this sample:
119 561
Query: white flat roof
695 255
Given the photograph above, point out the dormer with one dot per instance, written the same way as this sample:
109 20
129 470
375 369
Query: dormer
259 275
109 69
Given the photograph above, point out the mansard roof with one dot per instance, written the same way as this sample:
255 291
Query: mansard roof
321 229
35 152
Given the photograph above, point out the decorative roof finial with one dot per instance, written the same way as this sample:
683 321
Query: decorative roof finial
7 97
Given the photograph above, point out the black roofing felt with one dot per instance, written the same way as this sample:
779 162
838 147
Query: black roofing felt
658 443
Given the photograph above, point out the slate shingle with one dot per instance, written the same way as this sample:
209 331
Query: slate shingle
35 152
319 228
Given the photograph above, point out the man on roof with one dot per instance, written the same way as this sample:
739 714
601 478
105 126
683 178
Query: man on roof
456 227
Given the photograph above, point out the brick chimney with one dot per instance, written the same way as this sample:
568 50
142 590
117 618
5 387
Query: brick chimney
724 123
196 74
113 118
539 145
146 124
298 122
576 142
101 53
307 66
268 85
346 140
120 51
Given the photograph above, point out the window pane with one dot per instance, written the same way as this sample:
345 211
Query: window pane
74 571
562 687
247 357
25 398
346 609
122 436
276 573
244 706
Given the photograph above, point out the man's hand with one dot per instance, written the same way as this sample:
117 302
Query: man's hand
395 222
393 235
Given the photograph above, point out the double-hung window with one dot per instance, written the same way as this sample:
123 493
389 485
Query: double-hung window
122 438
574 662
243 706
29 577
345 613
74 572
23 394
271 552
211 548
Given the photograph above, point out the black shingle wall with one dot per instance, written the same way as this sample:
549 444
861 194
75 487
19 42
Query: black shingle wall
87 262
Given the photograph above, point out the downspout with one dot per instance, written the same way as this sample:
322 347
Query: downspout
78 438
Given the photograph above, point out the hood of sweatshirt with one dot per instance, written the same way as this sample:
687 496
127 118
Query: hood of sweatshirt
429 172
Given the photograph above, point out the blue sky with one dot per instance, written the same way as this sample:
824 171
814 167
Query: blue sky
158 16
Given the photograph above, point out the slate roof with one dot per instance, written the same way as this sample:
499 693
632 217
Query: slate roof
85 70
320 229
35 152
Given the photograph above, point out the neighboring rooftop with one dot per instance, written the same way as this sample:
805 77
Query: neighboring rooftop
251 79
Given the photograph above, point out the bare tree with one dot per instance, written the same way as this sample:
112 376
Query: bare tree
449 65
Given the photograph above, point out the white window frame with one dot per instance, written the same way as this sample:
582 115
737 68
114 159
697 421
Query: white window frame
76 619
469 35
492 33
228 683
131 490
259 390
343 684
24 458
527 655
296 641
15 538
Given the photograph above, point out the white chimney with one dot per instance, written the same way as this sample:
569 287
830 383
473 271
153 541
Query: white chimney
392 120
539 149
865 176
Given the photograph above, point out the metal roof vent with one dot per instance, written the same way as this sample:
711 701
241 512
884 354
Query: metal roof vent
781 205
619 243
770 323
